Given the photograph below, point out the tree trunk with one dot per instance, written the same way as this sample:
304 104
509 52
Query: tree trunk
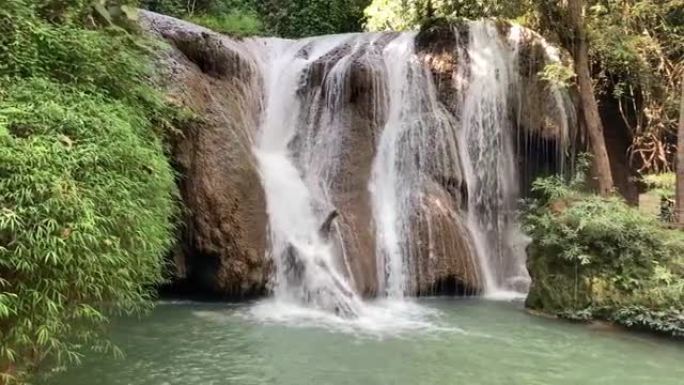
679 195
592 120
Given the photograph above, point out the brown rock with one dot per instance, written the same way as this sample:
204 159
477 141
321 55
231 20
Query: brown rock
223 242
444 257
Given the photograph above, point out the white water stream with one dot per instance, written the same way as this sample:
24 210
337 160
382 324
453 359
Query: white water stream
489 161
306 269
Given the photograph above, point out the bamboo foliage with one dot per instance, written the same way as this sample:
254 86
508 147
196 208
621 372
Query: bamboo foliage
86 193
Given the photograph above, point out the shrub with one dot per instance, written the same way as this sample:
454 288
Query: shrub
662 187
663 183
594 257
236 23
239 18
86 193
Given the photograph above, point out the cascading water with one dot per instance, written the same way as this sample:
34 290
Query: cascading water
305 267
418 141
441 180
491 96
489 161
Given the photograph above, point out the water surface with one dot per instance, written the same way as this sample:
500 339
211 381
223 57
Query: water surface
441 341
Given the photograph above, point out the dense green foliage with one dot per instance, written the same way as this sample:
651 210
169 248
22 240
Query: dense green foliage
284 18
235 22
597 258
86 193
661 188
398 15
663 183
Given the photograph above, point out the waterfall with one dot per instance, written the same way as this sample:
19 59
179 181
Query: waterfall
417 142
306 268
425 181
489 162
389 196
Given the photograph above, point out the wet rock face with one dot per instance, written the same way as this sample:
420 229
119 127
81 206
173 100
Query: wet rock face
223 241
537 99
538 130
345 98
447 262
441 47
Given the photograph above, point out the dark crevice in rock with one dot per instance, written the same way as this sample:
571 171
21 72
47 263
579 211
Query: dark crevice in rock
617 136
537 156
450 285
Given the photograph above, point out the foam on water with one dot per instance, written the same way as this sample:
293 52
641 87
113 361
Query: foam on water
386 318
505 295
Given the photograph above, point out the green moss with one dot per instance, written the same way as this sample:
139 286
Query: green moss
594 257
